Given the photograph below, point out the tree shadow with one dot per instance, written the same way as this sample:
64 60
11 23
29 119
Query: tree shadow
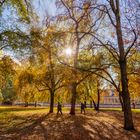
86 128
66 127
16 133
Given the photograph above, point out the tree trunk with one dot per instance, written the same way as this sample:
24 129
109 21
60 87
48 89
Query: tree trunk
51 101
35 104
121 100
73 99
98 100
90 104
26 104
85 102
94 104
95 107
128 121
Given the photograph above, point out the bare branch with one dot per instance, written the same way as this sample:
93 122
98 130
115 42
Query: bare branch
2 2
106 46
134 40
69 12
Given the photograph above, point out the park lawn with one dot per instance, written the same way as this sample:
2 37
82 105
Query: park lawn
35 123
119 109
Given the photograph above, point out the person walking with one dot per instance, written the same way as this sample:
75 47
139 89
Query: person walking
59 108
82 108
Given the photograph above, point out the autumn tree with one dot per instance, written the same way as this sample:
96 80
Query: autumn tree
74 15
25 84
133 75
116 14
7 72
90 90
50 77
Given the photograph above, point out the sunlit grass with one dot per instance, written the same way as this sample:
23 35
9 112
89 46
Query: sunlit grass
111 109
36 110
136 110
118 109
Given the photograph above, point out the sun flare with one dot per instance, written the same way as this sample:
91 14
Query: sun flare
68 51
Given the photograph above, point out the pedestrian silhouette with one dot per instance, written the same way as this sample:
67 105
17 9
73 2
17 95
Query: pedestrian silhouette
133 104
82 108
59 108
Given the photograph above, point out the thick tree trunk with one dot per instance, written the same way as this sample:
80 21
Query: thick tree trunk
51 101
73 99
128 121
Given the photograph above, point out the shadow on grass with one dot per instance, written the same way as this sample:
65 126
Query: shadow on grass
66 127
24 128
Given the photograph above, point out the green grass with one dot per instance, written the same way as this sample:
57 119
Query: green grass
118 109
136 110
32 110
112 109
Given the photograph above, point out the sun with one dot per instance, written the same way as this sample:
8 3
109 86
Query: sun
68 51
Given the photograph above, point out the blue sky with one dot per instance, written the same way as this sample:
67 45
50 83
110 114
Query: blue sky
44 8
